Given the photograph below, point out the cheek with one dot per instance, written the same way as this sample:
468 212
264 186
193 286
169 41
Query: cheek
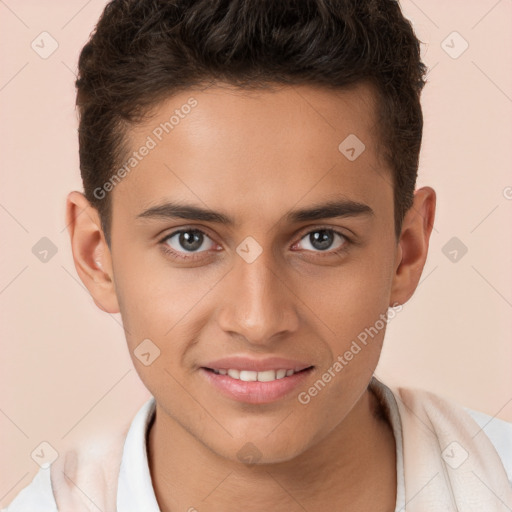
351 313
354 296
156 299
352 304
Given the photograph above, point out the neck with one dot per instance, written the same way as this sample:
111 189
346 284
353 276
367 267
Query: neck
354 465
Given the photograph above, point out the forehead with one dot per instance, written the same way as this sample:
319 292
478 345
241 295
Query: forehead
256 151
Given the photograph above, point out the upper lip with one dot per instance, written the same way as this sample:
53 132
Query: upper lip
256 365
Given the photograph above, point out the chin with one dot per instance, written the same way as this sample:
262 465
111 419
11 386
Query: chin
254 451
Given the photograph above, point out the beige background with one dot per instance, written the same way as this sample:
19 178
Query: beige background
64 367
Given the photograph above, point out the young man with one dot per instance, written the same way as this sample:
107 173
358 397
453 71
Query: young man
250 209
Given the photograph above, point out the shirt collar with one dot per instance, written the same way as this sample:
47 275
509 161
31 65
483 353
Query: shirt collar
388 402
135 488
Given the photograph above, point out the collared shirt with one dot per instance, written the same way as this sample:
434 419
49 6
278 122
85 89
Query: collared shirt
135 489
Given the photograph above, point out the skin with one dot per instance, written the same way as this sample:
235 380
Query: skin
255 156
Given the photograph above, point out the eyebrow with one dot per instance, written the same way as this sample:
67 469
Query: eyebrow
170 210
331 209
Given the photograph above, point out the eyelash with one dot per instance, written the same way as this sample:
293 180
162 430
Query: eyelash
194 256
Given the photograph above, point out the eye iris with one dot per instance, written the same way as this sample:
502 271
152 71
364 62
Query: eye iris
321 239
191 240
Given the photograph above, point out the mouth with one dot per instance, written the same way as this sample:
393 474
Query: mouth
256 387
253 376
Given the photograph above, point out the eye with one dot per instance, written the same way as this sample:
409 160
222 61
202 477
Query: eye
190 241
322 240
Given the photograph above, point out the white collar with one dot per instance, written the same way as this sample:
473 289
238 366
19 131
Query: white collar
388 402
135 488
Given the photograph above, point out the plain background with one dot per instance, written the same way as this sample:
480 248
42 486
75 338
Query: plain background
65 371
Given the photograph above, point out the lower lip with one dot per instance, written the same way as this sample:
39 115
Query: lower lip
255 392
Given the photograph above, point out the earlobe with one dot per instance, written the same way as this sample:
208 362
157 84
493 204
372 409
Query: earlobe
413 245
91 254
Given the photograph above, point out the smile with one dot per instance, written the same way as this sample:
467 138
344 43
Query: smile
255 387
251 376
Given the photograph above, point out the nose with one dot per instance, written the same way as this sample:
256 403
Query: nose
257 302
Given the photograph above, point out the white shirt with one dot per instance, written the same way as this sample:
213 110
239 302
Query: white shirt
135 489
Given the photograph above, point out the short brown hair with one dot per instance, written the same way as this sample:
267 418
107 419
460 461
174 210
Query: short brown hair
144 51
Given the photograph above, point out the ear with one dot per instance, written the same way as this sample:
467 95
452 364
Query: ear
91 253
413 245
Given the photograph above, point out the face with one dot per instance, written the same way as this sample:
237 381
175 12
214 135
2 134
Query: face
272 273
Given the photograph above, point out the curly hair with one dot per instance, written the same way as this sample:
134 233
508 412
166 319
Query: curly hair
142 52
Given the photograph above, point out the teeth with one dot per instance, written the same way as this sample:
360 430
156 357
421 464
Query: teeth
248 376
251 376
234 374
266 376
